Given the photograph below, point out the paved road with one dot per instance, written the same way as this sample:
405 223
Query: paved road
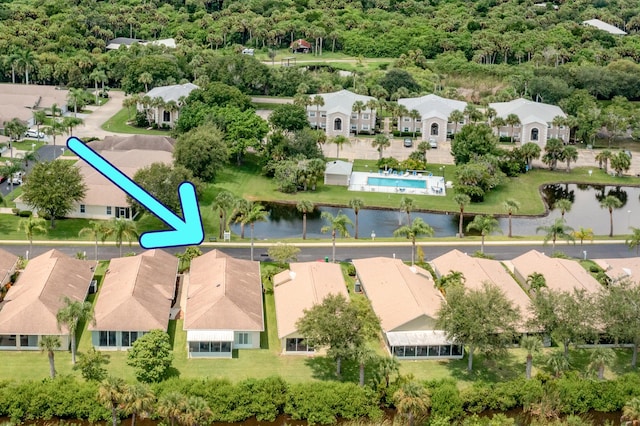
501 251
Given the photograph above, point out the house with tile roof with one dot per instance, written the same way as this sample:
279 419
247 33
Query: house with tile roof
223 309
619 269
166 113
337 117
433 124
563 275
301 287
478 271
536 121
29 308
135 297
8 264
407 303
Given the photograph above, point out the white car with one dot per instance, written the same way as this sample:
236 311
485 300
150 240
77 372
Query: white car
34 134
16 179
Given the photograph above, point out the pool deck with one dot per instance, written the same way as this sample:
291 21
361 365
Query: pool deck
435 185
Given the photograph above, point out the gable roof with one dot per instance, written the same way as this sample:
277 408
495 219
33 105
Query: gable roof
601 25
398 293
301 287
621 269
173 92
31 305
433 106
224 293
339 167
300 43
563 275
20 100
528 111
341 101
130 142
8 263
101 191
136 293
477 271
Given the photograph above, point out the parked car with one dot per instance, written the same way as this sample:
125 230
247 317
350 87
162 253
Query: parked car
34 134
433 144
16 179
408 142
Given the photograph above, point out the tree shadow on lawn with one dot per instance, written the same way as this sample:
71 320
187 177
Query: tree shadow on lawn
496 368
324 368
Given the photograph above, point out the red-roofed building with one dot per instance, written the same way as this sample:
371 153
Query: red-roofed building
300 46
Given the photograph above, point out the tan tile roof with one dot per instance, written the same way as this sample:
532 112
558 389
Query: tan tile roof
478 271
7 265
18 100
398 293
560 274
224 294
30 306
301 287
136 293
101 191
620 269
127 143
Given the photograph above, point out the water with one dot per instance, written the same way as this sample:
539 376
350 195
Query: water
401 183
286 222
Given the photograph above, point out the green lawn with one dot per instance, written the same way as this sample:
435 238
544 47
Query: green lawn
118 124
26 145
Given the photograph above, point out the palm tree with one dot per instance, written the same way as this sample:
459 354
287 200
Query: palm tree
510 206
224 201
137 400
145 78
97 231
512 120
304 207
356 204
407 205
121 229
372 104
455 117
570 154
38 118
564 205
610 202
255 213
31 225
380 143
601 357
111 395
50 344
536 281
414 115
26 61
68 123
634 240
387 365
74 97
98 76
412 231
452 279
412 401
558 363
172 407
462 200
486 225
70 315
556 230
583 234
197 412
358 107
318 101
631 411
240 211
335 224
531 344
603 158
30 156
530 151
339 141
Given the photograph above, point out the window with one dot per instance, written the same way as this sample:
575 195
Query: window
128 337
406 129
323 114
365 127
297 345
419 119
337 124
109 210
323 125
407 119
82 208
365 116
28 341
107 338
312 114
354 127
434 129
548 125
534 134
166 116
243 339
354 116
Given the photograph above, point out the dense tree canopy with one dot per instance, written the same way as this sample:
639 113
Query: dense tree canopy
203 151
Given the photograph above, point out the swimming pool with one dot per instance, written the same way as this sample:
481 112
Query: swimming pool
396 182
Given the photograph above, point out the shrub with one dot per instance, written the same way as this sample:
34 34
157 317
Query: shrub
446 401
25 213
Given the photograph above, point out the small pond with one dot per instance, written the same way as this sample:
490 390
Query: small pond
286 222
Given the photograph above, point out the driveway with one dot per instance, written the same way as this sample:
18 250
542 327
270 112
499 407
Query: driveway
99 116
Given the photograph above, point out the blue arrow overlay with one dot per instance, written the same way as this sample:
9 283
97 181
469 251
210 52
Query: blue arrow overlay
187 231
